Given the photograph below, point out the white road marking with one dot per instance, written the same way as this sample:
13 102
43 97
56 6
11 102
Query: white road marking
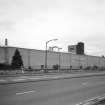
25 92
18 79
85 83
2 80
23 77
34 78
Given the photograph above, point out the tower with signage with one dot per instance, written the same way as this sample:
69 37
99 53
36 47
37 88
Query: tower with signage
77 49
72 49
80 48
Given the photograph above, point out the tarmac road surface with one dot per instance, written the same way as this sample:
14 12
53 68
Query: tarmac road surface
53 92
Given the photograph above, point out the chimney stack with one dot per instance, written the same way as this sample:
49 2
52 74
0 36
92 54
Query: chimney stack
6 42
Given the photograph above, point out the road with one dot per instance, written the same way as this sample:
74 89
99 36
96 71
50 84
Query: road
52 92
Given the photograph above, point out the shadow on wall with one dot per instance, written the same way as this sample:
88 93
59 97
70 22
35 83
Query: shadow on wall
4 66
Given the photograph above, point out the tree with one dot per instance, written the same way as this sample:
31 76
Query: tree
17 61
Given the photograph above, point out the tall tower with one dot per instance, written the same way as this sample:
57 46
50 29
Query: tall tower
6 51
80 48
6 42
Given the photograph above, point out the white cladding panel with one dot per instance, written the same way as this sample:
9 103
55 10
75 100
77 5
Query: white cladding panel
2 55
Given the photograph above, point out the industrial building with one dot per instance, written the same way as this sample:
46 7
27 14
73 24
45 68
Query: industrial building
36 58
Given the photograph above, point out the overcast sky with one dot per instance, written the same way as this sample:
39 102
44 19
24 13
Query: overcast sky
30 23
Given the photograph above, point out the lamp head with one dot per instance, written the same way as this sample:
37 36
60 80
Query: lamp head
55 39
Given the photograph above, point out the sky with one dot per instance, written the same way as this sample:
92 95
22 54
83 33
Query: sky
31 23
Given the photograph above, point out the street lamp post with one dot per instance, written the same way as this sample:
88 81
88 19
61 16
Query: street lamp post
46 53
59 56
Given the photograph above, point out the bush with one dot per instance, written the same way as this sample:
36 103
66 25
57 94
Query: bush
88 68
95 68
42 67
29 68
55 67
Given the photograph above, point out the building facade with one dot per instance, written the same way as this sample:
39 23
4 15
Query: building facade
36 58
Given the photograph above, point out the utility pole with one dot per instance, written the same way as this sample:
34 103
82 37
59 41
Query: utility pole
46 53
59 56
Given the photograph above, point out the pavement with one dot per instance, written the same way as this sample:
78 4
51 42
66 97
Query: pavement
46 77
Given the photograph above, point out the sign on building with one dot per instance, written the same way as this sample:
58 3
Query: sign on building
72 49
